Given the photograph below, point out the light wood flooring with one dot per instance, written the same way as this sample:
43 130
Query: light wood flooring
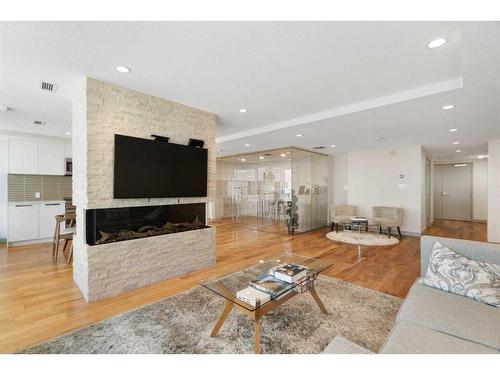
39 301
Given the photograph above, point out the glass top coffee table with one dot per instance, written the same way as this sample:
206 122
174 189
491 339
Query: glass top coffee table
228 286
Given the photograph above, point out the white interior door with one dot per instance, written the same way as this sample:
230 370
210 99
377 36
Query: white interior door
453 192
427 192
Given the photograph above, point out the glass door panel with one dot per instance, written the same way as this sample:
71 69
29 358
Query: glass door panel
274 181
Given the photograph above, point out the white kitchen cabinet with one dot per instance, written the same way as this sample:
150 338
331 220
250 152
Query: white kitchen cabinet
51 158
68 150
23 222
46 218
23 156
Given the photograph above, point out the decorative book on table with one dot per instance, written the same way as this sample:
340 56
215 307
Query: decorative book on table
270 284
252 296
289 273
358 219
307 282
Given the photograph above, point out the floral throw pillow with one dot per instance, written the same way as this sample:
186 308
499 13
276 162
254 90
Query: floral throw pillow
455 273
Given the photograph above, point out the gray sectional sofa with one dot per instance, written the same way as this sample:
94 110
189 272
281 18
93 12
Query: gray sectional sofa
431 321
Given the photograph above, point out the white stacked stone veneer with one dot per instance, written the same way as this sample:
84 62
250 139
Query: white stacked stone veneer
100 111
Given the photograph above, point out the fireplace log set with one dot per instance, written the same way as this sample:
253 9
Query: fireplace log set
149 230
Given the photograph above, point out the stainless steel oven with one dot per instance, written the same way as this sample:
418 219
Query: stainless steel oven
68 167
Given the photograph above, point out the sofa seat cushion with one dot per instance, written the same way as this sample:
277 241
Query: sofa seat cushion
411 338
384 221
452 314
340 345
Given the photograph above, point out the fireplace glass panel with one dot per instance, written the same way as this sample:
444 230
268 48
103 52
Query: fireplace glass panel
119 224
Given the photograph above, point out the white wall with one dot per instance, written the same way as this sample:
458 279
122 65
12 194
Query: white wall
4 154
340 179
494 191
373 180
480 190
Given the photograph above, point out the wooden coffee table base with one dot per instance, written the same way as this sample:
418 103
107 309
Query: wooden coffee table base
259 312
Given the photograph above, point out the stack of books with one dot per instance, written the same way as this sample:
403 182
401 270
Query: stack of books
289 273
280 281
358 219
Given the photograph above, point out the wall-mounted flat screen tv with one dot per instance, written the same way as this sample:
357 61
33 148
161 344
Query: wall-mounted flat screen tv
146 168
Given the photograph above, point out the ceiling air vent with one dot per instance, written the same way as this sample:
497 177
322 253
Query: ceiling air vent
38 122
319 147
47 86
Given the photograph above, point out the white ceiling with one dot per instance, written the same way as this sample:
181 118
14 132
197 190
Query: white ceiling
342 83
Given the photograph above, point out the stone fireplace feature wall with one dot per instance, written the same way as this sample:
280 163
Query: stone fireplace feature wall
117 269
100 110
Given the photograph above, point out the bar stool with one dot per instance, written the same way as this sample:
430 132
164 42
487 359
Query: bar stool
60 219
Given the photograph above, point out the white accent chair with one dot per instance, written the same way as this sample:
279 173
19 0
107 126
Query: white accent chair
389 217
340 213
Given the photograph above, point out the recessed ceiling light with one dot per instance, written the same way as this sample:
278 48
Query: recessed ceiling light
243 159
453 130
298 135
459 165
379 139
436 43
332 145
261 157
449 106
456 143
283 155
243 110
247 144
458 150
482 156
68 133
122 69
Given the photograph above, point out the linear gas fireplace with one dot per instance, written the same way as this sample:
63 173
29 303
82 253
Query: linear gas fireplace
120 224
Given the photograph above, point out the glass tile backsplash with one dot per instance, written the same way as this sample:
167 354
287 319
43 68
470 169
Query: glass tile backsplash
23 187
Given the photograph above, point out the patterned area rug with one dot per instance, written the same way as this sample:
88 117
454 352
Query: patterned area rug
182 324
363 238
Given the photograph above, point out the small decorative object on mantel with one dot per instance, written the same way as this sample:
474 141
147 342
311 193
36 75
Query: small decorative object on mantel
196 143
160 138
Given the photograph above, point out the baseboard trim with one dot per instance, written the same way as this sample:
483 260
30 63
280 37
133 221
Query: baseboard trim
394 232
29 242
479 221
411 234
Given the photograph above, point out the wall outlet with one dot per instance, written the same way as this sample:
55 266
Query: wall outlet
37 194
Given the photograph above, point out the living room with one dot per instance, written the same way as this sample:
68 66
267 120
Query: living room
243 189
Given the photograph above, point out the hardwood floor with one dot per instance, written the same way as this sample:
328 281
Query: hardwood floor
39 301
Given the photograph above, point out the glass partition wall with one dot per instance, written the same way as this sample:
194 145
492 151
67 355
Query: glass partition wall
283 190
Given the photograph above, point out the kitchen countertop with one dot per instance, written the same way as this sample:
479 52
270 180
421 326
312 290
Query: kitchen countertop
33 202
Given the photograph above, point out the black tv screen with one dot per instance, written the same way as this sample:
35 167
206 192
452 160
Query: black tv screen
155 169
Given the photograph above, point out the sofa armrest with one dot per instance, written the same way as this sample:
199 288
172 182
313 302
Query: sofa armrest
482 251
340 345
